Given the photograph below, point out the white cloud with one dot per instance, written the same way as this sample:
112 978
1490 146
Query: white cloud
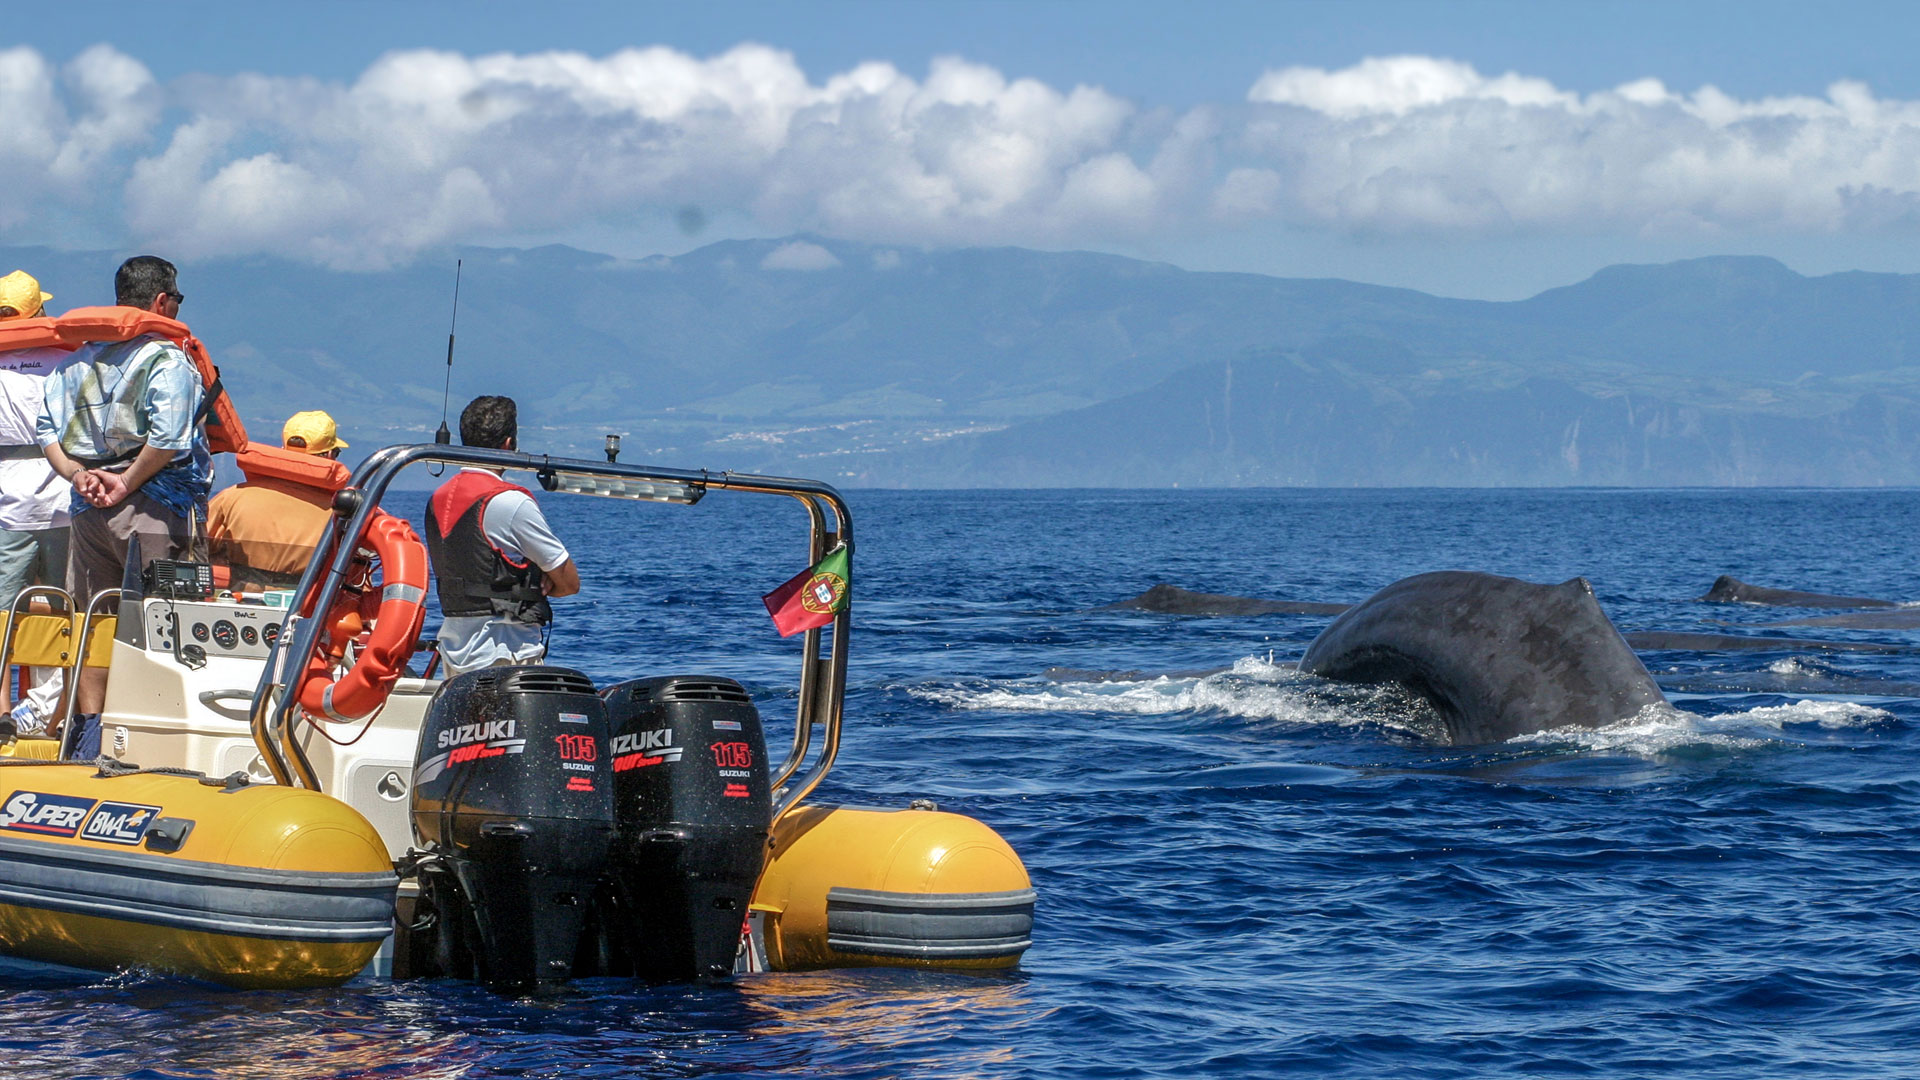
1430 144
427 148
1248 193
1398 85
55 147
799 255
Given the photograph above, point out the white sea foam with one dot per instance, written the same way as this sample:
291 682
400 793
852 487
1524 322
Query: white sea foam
1827 714
1655 729
1253 689
1257 690
1661 729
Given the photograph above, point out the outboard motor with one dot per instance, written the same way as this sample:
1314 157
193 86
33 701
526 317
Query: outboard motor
513 801
689 764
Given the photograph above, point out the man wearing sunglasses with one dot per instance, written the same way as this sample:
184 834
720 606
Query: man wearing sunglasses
122 423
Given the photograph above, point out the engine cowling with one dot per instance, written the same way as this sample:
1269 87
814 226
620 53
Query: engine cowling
513 803
689 767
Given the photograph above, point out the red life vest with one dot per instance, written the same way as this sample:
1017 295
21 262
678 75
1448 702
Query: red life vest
81 326
471 575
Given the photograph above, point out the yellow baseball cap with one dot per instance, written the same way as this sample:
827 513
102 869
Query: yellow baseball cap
21 292
311 432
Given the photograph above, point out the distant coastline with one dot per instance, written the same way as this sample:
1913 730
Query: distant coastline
880 366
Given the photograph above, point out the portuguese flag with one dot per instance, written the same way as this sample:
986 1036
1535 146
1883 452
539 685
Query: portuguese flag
813 596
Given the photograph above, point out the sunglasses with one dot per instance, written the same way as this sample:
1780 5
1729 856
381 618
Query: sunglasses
178 297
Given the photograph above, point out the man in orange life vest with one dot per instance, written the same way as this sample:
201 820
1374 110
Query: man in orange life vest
266 528
495 561
122 423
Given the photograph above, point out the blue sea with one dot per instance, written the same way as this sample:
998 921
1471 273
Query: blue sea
1247 872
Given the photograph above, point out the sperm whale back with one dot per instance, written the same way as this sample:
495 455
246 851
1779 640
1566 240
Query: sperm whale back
1496 656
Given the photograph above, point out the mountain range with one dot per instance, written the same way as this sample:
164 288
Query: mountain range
885 366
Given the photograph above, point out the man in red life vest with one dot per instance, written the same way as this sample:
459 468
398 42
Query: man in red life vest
495 561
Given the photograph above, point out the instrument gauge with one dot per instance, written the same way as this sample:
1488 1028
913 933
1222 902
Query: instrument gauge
225 634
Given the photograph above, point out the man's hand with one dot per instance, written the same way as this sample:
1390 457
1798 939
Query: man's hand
87 483
114 487
108 489
562 580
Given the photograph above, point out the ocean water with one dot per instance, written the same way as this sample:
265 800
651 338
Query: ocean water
1247 872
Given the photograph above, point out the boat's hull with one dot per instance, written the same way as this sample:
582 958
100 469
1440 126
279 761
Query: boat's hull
249 886
855 887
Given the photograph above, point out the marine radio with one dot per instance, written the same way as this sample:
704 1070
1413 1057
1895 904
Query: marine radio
178 580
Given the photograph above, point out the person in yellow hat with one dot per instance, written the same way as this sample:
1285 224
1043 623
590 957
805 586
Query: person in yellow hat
20 296
266 528
33 498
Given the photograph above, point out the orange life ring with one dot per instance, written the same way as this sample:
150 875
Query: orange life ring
398 612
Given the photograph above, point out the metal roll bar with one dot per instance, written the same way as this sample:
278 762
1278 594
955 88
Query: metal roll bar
810 670
94 605
272 713
22 603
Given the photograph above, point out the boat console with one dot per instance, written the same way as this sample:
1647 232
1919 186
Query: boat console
202 628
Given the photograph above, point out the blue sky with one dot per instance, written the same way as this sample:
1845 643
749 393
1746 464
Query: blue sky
1474 149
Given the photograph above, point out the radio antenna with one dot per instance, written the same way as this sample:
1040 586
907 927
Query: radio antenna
443 436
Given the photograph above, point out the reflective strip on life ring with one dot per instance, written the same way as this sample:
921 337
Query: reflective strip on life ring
396 630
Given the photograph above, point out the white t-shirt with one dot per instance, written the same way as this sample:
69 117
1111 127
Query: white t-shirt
32 495
514 524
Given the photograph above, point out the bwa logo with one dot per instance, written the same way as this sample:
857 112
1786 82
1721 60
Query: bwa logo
120 823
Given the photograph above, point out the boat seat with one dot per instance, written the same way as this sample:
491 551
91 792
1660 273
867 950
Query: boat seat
33 748
47 640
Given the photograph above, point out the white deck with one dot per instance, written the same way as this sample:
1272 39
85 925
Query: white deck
161 711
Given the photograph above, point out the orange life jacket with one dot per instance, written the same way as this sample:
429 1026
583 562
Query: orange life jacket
225 433
261 461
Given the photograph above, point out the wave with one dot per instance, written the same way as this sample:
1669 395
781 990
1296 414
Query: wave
1255 688
1258 690
1664 729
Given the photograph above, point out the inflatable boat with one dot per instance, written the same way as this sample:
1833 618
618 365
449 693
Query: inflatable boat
287 795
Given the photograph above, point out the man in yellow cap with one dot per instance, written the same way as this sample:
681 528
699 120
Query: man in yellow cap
20 296
33 498
265 529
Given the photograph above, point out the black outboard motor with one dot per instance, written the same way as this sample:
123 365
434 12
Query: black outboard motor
512 794
689 766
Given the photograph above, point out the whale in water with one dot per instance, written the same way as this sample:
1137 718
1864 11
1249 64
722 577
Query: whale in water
1167 599
1686 641
1905 618
1728 589
1495 656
